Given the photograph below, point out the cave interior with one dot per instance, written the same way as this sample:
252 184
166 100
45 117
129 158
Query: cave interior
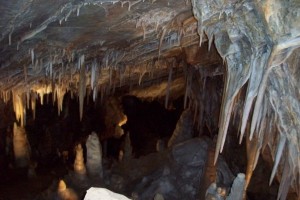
150 99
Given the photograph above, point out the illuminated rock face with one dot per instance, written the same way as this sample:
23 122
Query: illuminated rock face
79 166
94 155
114 118
21 147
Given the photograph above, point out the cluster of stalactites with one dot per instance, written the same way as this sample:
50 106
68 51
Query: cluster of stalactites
252 56
24 99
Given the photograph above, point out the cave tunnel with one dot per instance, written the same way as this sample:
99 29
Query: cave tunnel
152 99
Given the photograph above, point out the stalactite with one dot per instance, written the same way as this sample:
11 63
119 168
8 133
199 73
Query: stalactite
82 89
259 99
27 98
9 38
60 93
279 152
168 86
257 67
94 75
187 87
32 33
50 69
164 30
253 148
32 56
33 104
19 107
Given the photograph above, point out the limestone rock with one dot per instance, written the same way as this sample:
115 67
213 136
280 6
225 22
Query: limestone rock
191 153
183 130
102 193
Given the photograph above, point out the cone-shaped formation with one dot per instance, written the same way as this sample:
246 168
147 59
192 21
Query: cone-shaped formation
79 166
61 186
21 147
237 189
94 155
65 193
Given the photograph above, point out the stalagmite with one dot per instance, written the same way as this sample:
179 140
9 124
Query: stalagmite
94 156
237 188
65 193
127 148
21 147
61 186
79 166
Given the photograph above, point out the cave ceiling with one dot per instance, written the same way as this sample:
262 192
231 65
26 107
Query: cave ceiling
97 45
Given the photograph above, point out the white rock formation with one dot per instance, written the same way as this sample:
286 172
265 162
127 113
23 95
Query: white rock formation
94 155
237 189
79 166
21 147
102 193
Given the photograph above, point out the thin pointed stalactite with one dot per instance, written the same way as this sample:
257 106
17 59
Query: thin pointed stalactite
257 66
260 95
253 148
279 152
168 86
81 89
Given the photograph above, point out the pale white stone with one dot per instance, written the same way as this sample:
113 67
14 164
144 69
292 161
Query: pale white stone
94 155
103 194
